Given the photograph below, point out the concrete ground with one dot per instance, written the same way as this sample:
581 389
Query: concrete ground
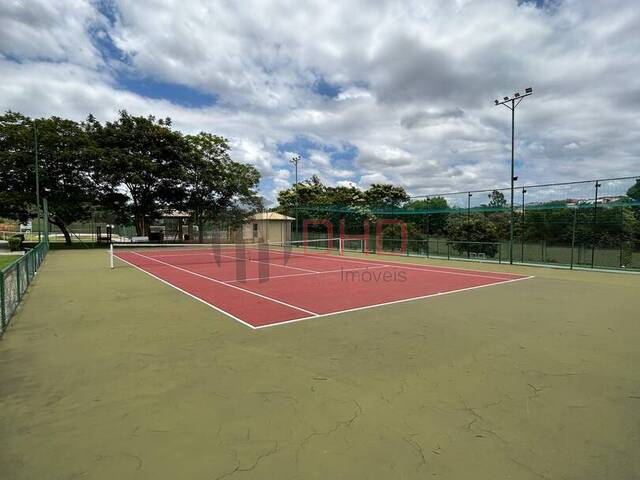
114 375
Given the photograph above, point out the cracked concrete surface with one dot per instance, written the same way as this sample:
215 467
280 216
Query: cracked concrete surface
530 380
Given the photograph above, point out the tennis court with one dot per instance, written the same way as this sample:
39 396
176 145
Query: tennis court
264 285
116 374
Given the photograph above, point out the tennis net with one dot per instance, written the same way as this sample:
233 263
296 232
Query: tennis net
140 254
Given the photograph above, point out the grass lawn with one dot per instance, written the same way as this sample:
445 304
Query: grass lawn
7 259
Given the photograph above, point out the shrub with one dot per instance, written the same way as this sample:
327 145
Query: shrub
15 243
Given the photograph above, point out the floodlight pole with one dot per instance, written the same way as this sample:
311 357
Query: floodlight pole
295 161
469 206
595 219
37 172
511 104
524 190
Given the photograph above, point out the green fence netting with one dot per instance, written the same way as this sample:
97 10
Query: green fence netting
587 224
15 278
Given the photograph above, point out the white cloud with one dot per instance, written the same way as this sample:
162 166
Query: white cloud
416 80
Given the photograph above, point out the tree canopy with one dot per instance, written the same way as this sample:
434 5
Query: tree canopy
137 168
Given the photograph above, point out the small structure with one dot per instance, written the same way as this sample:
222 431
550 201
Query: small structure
267 227
171 227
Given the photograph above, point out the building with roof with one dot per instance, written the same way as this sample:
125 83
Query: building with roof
267 227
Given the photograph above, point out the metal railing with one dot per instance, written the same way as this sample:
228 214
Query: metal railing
15 278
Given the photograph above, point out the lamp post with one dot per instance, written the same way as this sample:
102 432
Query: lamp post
295 161
595 219
37 172
427 225
511 104
524 190
469 206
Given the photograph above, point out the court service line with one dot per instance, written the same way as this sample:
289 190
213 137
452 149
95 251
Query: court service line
236 258
366 307
303 274
233 317
432 267
269 263
229 285
426 268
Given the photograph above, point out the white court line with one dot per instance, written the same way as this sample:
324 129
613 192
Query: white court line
303 274
191 295
422 269
236 258
433 268
259 327
228 285
317 315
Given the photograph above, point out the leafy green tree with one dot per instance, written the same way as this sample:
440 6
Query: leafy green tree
634 191
311 192
473 235
147 158
383 195
497 200
17 195
66 170
217 188
433 215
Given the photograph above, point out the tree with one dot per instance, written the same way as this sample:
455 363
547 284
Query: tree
17 195
383 195
497 200
66 170
217 188
147 158
473 235
634 191
431 215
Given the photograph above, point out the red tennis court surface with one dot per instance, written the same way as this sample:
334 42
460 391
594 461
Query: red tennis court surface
265 291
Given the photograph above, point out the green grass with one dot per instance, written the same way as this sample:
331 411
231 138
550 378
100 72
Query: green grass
7 259
113 374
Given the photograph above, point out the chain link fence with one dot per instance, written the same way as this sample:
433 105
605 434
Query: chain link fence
586 224
15 278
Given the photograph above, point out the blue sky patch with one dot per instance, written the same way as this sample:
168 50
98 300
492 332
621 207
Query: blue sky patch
326 89
174 93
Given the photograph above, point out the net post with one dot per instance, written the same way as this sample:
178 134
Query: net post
340 246
111 255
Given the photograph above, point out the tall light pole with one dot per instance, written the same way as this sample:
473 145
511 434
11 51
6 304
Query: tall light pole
295 161
595 219
37 172
524 190
511 104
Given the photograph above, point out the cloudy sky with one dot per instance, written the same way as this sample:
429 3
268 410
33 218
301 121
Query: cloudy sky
364 91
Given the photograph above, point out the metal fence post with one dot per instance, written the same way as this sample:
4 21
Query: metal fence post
573 235
18 281
3 316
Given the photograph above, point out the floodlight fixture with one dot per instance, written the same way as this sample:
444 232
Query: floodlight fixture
511 104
